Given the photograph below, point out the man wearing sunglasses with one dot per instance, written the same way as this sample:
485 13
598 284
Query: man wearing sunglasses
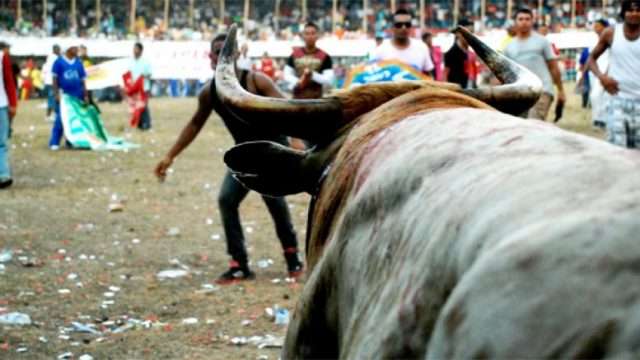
402 47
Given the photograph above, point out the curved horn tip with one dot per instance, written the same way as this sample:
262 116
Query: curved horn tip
230 42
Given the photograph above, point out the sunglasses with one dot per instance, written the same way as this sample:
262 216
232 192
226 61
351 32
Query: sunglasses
400 25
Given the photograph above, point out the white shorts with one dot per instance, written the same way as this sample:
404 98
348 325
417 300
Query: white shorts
623 121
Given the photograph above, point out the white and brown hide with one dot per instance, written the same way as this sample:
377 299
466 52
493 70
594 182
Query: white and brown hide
461 232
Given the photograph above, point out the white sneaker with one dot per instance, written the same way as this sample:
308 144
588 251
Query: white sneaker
54 147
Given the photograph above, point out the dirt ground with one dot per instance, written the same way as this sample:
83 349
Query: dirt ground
75 261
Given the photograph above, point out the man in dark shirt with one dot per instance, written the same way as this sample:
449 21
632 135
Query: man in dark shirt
308 68
455 60
231 191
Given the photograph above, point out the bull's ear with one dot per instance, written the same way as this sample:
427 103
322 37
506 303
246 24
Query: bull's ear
268 167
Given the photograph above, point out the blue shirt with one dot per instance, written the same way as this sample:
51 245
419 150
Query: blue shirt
70 76
584 57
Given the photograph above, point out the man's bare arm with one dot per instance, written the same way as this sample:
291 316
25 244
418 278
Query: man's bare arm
265 86
188 133
554 70
605 41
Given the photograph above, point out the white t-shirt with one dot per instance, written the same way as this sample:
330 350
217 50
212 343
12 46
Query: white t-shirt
416 54
141 67
47 69
4 99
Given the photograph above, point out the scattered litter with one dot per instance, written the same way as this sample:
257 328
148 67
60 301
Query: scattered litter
171 274
207 289
270 341
276 281
72 276
190 321
5 255
246 322
215 237
135 241
124 328
88 227
67 355
21 349
114 288
261 342
64 291
209 221
85 357
281 316
270 313
30 261
249 229
15 318
84 328
173 231
109 294
2 268
116 207
263 357
265 263
239 341
43 339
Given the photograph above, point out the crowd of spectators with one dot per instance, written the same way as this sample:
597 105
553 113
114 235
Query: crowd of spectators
204 21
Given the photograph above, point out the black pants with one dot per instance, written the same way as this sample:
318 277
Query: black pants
145 119
231 195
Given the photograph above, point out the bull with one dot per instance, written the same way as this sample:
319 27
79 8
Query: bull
443 227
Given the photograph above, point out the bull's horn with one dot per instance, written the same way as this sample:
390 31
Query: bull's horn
313 120
521 88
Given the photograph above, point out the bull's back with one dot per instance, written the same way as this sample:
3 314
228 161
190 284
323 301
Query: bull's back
507 225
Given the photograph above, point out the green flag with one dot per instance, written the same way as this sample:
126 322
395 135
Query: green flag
83 127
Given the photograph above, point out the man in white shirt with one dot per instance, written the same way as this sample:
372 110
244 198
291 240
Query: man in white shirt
48 81
402 47
621 80
139 67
